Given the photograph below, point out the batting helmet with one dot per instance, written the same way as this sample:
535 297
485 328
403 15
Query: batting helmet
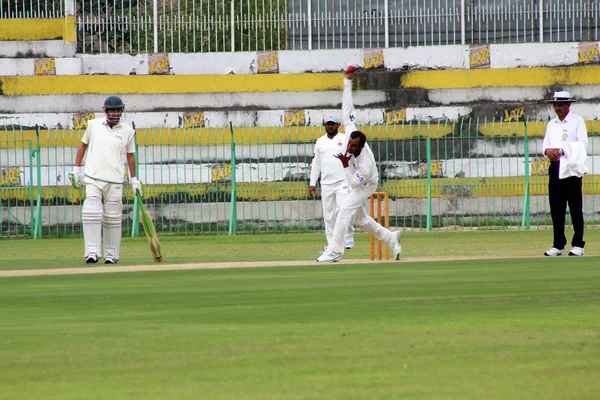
113 108
113 102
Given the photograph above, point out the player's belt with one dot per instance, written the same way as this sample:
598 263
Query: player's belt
102 180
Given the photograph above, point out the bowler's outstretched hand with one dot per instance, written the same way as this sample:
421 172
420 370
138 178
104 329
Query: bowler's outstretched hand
350 72
344 158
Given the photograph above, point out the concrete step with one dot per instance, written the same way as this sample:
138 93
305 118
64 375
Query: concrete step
32 50
445 103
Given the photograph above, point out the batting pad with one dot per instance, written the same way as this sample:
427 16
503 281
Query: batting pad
111 222
91 216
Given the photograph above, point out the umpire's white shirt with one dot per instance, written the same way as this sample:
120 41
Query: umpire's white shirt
107 150
559 134
325 164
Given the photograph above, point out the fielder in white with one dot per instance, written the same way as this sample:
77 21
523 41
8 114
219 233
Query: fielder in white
361 171
108 144
334 185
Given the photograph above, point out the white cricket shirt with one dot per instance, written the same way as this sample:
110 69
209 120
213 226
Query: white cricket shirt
325 164
362 170
107 149
561 133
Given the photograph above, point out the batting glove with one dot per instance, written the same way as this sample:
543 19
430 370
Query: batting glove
137 186
76 177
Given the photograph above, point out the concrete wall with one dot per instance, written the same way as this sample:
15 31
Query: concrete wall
308 213
277 100
156 174
495 56
33 29
296 117
397 160
398 85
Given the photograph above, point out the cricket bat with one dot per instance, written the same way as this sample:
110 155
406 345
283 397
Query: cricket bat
149 230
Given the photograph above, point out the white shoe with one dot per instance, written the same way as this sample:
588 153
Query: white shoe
556 252
328 256
395 246
349 244
576 251
92 258
110 259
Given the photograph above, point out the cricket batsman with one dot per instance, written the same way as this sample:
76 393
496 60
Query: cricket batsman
107 144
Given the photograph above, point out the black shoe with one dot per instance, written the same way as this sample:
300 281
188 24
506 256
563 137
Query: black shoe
92 258
110 260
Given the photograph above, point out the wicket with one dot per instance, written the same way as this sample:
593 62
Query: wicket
378 216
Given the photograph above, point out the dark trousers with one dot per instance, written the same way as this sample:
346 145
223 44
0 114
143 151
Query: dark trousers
562 192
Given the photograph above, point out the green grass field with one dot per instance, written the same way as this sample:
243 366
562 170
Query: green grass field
515 325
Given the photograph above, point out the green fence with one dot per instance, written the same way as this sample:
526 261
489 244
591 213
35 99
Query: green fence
21 166
483 174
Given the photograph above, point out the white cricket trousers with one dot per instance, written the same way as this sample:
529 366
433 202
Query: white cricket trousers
332 197
104 191
354 207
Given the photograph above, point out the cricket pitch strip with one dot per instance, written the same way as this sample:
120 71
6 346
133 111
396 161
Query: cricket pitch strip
219 265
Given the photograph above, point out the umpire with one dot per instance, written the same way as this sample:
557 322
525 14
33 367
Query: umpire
560 142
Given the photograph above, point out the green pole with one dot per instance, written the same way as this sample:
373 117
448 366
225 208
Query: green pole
37 232
429 222
31 193
233 207
526 221
135 222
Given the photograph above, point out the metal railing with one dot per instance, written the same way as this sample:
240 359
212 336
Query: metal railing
146 26
472 173
32 9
